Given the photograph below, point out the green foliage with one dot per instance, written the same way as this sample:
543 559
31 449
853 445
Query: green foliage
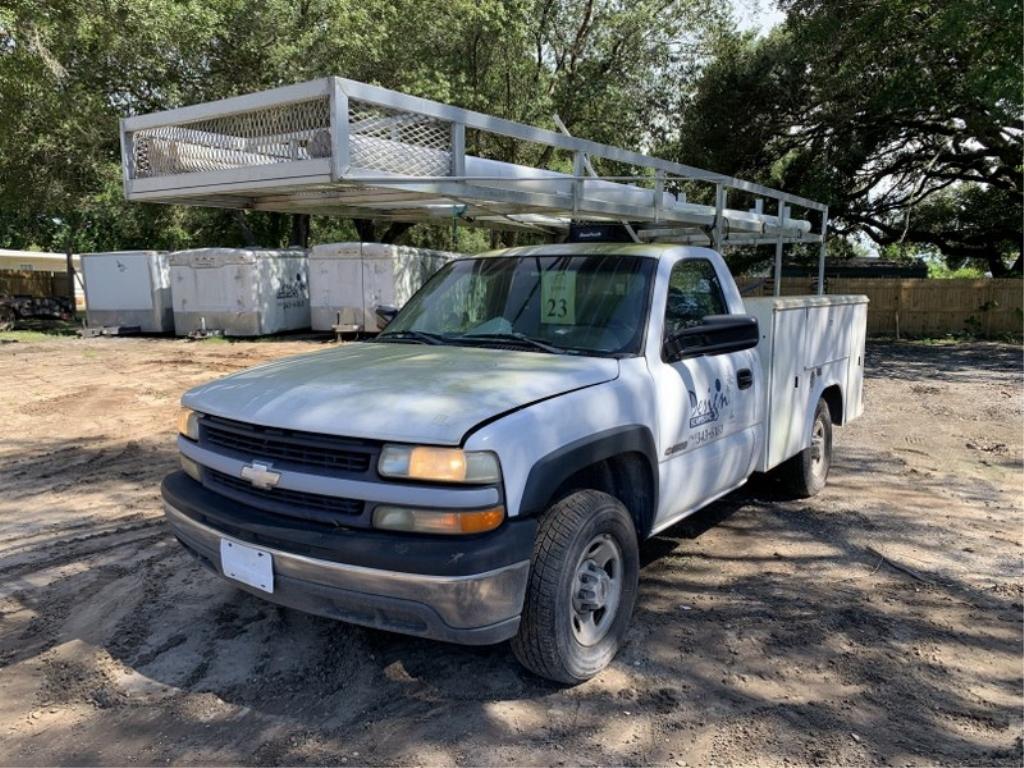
70 68
904 116
940 270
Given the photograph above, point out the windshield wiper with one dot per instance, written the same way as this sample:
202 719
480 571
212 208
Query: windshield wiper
520 338
423 337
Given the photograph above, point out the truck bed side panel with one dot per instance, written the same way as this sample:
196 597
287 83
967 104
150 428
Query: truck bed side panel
808 344
853 403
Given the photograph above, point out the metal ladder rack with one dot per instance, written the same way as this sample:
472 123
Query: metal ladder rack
340 147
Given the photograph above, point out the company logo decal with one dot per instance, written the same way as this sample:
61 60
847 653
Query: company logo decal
704 410
290 290
292 293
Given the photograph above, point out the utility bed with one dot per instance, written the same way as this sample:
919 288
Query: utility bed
803 339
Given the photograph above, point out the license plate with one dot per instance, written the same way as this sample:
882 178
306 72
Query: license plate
248 565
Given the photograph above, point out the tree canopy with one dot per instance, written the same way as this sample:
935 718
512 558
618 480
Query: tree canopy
904 115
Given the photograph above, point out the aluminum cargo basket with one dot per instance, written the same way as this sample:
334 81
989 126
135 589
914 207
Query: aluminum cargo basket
336 146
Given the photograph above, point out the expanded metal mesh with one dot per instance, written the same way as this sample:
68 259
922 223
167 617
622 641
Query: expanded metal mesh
399 142
380 139
280 134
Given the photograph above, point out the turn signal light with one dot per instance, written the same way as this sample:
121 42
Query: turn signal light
437 521
192 469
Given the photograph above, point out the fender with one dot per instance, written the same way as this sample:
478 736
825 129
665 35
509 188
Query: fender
548 473
820 386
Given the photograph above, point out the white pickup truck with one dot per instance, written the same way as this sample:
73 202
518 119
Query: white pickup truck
486 468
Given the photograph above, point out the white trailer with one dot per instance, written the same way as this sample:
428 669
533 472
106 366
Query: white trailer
347 281
241 292
128 289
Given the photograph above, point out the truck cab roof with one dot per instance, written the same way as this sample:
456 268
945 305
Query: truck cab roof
647 250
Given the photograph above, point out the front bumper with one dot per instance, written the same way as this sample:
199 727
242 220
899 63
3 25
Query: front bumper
454 602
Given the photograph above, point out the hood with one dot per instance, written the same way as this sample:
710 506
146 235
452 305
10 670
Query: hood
397 392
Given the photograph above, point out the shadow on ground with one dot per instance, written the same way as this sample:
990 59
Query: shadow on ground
766 631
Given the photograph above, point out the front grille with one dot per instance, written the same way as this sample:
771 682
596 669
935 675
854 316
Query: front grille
251 441
327 510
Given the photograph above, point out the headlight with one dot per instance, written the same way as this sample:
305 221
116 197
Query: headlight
437 521
188 423
447 465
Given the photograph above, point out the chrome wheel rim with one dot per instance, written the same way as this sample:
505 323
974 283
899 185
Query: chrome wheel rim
596 589
818 447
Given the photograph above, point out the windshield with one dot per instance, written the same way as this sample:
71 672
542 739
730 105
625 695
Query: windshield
567 304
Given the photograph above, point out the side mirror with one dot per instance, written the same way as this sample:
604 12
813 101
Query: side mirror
385 314
716 335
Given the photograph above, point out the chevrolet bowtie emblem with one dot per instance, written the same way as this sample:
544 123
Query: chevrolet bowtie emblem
261 475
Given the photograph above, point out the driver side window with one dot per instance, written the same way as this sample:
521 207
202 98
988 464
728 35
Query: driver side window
693 293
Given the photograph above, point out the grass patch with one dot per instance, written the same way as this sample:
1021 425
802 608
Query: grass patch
40 330
951 340
966 338
29 335
278 338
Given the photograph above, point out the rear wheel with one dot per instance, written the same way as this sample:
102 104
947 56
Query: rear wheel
582 588
805 474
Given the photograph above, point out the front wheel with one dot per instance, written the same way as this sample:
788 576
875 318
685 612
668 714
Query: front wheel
805 474
583 583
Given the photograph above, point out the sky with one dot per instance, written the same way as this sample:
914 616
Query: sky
759 15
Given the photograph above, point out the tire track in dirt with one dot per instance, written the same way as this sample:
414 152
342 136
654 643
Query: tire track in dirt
766 632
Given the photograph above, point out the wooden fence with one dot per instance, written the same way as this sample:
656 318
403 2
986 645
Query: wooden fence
40 284
921 307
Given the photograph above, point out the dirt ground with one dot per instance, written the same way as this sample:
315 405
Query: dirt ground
767 632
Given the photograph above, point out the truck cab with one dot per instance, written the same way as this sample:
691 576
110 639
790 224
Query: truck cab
486 468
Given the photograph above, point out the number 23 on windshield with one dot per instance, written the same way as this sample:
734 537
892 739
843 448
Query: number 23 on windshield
558 298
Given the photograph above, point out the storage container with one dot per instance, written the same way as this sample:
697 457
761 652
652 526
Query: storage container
242 292
348 280
128 289
802 339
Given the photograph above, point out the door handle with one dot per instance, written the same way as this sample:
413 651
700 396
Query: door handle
744 378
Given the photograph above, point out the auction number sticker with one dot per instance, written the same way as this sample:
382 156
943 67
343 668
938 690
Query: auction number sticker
558 297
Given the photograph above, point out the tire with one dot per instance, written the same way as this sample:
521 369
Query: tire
805 474
8 317
574 618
